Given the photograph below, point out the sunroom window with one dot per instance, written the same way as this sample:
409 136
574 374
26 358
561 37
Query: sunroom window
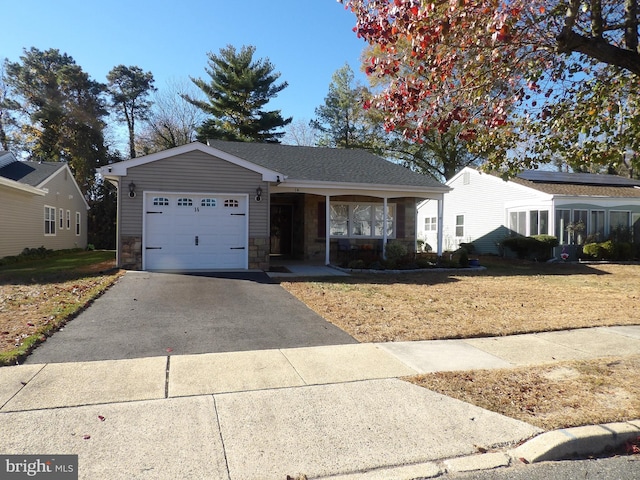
361 220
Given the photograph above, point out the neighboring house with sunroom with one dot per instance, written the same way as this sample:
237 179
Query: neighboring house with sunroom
42 206
483 208
234 205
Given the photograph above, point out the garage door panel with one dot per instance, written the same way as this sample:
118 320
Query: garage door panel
220 231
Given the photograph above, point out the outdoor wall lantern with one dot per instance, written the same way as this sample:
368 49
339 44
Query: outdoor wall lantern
258 194
132 190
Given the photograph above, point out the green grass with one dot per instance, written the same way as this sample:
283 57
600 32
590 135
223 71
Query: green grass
55 264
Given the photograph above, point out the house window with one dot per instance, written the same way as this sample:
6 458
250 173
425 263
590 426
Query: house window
563 219
78 223
459 225
431 224
231 203
619 223
49 220
361 220
160 201
538 222
61 219
596 225
208 202
578 227
518 222
185 202
466 178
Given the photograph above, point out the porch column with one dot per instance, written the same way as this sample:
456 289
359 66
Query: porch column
440 224
384 228
327 230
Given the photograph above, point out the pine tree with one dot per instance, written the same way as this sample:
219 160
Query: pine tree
239 89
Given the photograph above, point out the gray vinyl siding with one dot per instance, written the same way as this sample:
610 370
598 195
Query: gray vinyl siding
192 172
22 217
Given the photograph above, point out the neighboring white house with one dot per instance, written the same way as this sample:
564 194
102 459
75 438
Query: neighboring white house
42 206
484 209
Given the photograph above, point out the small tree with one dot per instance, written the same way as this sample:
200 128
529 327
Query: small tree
237 92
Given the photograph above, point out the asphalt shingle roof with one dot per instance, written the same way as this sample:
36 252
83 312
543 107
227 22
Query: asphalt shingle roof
29 173
325 164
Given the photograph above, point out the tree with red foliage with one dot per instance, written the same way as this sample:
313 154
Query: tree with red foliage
498 70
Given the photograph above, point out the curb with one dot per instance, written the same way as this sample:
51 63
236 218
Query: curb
577 442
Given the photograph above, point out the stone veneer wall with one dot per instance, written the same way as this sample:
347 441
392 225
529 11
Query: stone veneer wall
131 253
259 253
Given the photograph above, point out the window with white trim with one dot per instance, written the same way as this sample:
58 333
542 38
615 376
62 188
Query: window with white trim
49 220
459 225
596 224
538 222
68 219
160 201
518 222
208 202
431 224
619 222
185 202
231 203
61 219
563 218
78 221
361 220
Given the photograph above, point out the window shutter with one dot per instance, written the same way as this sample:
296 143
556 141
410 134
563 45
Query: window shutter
400 223
322 219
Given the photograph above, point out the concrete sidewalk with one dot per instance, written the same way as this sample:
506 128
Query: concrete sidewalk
328 411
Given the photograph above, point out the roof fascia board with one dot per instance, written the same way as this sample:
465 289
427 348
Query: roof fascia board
388 191
360 186
22 187
119 169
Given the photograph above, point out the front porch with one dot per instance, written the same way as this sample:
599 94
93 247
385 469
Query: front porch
359 225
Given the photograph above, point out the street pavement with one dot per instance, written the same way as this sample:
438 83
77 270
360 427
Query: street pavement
325 411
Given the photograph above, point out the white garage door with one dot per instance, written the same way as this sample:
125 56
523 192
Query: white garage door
189 231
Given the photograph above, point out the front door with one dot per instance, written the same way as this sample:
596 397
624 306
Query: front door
281 229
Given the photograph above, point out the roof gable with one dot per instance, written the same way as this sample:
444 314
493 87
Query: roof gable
120 169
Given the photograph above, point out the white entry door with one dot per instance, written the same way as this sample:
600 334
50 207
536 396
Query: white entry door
187 231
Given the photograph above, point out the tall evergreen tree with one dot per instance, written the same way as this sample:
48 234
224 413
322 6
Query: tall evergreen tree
64 111
239 89
129 88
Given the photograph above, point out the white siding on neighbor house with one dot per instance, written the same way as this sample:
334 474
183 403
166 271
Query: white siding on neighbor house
22 216
191 172
482 199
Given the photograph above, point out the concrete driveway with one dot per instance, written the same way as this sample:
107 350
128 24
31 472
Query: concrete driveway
150 314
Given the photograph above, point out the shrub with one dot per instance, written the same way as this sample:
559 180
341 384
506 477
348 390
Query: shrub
395 251
609 250
463 261
469 247
356 264
537 248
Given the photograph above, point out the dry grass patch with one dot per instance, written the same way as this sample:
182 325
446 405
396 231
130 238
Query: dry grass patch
504 300
34 304
550 396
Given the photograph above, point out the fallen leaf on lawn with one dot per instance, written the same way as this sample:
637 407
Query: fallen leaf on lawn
102 419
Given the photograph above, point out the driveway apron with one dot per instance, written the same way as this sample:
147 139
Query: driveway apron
151 314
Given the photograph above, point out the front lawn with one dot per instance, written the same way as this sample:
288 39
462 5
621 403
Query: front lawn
510 297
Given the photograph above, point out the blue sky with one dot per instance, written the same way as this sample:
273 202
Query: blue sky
306 40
